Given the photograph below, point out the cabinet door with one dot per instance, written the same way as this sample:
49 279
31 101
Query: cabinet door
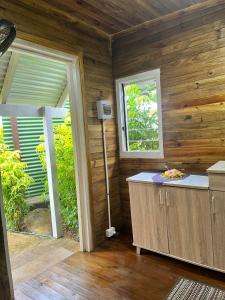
218 228
189 224
148 213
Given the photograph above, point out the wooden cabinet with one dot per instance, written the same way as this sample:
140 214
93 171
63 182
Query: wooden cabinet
186 223
148 212
218 228
189 224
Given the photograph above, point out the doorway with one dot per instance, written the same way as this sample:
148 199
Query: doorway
78 132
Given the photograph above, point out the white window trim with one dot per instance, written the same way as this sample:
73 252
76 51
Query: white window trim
149 75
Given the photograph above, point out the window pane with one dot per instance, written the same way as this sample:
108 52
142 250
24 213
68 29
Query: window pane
142 124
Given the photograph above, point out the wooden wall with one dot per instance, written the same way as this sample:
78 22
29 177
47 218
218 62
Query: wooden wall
5 277
5 291
189 49
50 29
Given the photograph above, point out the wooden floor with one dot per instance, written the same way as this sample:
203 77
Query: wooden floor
114 272
31 255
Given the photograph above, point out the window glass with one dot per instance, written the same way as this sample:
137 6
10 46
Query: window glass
141 126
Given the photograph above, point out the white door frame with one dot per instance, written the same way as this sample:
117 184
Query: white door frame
47 113
78 132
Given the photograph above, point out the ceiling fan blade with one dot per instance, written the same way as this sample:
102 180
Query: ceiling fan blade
7 35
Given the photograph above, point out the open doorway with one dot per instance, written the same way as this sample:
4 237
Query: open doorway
26 111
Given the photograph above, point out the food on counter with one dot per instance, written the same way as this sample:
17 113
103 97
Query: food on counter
173 173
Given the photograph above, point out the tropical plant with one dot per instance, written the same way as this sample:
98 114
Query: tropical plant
142 117
15 182
65 172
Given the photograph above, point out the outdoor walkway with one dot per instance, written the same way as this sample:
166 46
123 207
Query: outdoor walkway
31 255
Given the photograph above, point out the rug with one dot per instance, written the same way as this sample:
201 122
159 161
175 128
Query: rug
186 289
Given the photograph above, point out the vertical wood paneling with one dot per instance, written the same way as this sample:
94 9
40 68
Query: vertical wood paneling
190 51
4 282
5 276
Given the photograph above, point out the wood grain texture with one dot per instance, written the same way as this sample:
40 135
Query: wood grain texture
189 225
31 255
5 292
218 224
148 212
184 12
41 25
108 17
6 287
189 49
114 271
216 181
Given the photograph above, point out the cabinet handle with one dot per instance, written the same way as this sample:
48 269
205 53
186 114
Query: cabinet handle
213 205
160 198
167 199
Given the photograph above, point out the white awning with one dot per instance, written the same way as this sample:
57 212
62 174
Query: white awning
27 79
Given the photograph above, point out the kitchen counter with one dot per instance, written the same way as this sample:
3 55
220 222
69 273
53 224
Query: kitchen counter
145 177
218 167
191 181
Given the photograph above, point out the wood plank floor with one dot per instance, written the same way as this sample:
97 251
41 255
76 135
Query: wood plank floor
31 255
113 272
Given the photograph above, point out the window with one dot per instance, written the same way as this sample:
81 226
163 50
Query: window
139 115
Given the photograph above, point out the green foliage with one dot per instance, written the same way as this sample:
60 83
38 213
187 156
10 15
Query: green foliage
15 183
65 172
141 100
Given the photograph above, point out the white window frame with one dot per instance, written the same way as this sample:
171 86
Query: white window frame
149 75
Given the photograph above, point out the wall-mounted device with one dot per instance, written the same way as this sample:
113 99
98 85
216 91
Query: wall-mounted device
104 109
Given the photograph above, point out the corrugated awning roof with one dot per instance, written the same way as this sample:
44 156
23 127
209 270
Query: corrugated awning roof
33 80
4 62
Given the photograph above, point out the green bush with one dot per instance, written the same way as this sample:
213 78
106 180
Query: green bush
142 117
15 183
65 172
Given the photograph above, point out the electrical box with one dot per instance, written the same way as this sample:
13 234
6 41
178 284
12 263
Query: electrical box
104 109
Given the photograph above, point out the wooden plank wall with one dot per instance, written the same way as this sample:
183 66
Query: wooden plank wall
189 49
5 291
5 277
51 29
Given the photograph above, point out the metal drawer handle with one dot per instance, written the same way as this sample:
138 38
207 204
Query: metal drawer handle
167 199
160 198
213 205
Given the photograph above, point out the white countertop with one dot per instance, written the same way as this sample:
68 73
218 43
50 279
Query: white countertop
192 181
142 177
218 167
